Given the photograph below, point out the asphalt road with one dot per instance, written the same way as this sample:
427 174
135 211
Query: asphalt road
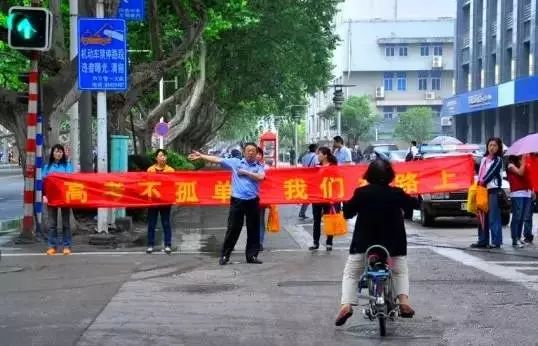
462 297
11 194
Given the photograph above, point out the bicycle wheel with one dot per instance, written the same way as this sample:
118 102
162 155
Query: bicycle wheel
382 326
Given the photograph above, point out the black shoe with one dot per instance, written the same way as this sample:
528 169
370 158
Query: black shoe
494 247
329 247
261 247
479 246
254 260
313 247
223 260
302 217
528 240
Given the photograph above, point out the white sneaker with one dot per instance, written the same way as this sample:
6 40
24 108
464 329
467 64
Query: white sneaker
168 250
518 244
149 250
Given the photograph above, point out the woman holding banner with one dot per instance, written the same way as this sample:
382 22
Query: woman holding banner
58 164
325 158
159 167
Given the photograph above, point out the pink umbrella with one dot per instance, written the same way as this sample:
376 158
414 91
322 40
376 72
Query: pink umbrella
525 145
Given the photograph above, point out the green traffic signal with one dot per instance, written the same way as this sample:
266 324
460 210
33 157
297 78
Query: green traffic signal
29 28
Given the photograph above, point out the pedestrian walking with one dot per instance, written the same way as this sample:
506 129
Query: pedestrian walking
263 207
341 152
325 158
164 211
412 153
379 222
58 163
489 176
310 159
247 174
520 196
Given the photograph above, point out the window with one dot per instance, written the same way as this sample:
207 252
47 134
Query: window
424 51
436 83
402 81
388 112
389 51
423 84
436 111
403 51
387 80
438 50
400 110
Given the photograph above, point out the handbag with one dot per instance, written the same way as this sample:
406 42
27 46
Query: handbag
334 223
471 199
482 200
273 220
504 203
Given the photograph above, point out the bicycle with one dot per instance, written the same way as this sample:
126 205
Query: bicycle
377 278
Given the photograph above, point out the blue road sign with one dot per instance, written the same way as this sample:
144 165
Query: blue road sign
131 10
102 54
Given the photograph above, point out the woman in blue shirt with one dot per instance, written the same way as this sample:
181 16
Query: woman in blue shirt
58 164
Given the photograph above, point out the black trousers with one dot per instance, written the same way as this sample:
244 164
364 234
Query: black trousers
317 212
239 210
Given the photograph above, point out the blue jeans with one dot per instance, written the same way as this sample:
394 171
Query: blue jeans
520 210
492 221
153 214
53 227
262 225
527 224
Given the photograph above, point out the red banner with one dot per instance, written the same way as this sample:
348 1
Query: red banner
281 186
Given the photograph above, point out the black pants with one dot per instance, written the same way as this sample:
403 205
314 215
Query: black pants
317 211
239 209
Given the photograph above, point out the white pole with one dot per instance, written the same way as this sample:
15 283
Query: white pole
296 144
339 123
102 149
74 131
161 90
161 138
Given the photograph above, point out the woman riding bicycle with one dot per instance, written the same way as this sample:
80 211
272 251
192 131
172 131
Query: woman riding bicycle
380 221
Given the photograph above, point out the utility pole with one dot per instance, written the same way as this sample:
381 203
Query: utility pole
74 129
102 136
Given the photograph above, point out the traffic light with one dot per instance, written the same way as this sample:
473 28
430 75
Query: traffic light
29 28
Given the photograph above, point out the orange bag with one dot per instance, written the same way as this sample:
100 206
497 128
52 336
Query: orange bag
334 223
482 199
273 220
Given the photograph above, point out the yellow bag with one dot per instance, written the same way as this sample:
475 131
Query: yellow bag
481 199
471 199
334 223
273 221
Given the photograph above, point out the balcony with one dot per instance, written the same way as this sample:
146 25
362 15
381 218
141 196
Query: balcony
526 12
493 27
466 39
509 20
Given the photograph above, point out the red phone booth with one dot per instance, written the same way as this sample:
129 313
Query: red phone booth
269 145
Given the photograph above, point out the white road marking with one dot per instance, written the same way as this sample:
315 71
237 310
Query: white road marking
506 273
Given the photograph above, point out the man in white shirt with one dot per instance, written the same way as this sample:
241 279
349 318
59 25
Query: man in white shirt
342 153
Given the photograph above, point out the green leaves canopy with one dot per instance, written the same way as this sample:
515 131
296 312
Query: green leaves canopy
415 124
358 117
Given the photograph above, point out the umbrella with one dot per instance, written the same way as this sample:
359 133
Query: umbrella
525 145
444 140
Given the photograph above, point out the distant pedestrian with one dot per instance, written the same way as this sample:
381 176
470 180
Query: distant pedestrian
489 176
310 159
412 153
292 157
341 152
325 158
520 196
160 167
247 174
58 164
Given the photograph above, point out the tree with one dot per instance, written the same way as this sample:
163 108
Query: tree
416 124
358 117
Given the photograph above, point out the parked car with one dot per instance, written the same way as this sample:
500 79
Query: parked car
433 205
397 155
369 152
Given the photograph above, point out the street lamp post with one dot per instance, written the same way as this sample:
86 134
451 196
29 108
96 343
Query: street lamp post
296 116
338 100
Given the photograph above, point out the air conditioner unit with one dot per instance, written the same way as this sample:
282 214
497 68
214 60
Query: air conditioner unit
429 96
437 62
380 92
446 121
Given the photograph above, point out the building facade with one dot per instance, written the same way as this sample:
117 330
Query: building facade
397 63
496 85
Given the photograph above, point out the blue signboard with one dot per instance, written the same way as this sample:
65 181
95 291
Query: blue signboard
526 89
102 54
473 101
131 10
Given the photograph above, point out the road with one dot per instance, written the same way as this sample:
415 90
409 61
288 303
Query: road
111 297
11 194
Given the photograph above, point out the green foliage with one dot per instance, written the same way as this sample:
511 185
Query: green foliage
415 124
358 117
178 161
286 136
